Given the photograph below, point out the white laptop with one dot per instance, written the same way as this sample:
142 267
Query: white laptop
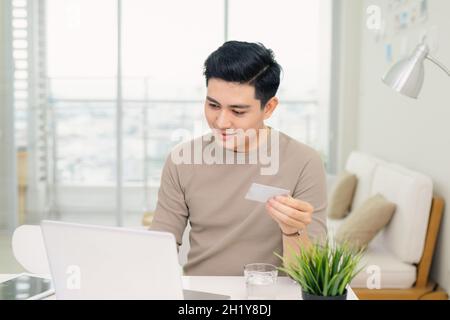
97 262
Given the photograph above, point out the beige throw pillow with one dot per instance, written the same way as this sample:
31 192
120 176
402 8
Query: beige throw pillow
363 224
342 196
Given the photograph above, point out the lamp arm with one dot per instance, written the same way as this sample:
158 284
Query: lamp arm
439 64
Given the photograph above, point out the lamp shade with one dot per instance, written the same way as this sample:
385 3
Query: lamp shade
407 75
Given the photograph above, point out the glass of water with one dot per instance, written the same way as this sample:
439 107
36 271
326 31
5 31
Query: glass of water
261 281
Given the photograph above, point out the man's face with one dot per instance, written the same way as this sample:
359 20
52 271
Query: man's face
231 106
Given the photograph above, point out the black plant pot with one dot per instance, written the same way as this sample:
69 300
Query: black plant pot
307 296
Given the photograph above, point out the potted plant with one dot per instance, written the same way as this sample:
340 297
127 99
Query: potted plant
323 270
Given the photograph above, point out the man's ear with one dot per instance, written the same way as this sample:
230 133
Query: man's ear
270 107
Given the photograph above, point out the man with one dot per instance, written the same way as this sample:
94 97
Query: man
228 230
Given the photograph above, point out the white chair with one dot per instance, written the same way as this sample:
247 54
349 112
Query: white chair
403 250
29 249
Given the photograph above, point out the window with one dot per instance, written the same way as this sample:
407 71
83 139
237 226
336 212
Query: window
82 66
21 63
150 73
292 30
30 107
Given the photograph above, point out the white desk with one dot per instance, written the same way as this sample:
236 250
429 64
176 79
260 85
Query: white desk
235 287
232 286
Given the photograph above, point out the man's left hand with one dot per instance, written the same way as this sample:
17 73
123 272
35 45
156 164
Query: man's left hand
291 214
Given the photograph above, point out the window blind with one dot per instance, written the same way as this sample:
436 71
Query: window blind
32 123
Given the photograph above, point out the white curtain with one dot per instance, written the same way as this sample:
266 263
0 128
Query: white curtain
8 196
38 137
24 120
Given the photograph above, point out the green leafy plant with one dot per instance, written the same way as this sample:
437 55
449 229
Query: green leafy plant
323 269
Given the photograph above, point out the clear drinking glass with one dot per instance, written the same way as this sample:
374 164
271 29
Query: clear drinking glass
261 281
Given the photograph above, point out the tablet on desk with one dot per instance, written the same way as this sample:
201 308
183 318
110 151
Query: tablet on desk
26 286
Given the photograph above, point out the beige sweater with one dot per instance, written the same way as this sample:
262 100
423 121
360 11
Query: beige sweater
228 231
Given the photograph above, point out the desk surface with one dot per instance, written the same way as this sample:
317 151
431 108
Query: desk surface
233 286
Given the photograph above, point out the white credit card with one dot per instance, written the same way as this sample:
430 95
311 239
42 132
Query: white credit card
262 193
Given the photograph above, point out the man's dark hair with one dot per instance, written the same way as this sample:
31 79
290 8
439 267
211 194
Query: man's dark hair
245 62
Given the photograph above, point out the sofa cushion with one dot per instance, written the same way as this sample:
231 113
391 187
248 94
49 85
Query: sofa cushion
412 194
366 221
394 273
342 195
333 226
363 166
382 267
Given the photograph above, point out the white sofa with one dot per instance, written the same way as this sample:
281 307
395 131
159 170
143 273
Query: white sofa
395 252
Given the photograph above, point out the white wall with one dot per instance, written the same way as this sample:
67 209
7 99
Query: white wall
345 81
415 133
